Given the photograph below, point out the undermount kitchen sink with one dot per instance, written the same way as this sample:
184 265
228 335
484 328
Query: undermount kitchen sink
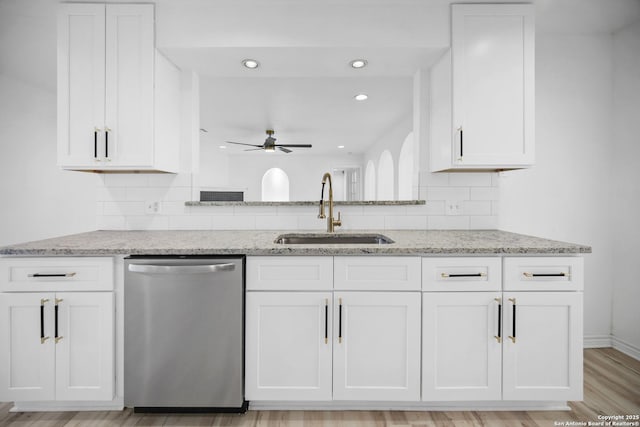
333 239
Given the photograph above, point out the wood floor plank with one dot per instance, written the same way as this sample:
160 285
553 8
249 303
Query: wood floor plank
611 387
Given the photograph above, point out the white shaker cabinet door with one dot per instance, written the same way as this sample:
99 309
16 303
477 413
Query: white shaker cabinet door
129 85
542 355
461 346
81 84
27 352
493 85
84 342
376 346
288 346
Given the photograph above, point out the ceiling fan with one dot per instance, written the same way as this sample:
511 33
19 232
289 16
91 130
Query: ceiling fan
270 144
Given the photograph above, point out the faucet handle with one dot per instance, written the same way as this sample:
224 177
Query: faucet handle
337 222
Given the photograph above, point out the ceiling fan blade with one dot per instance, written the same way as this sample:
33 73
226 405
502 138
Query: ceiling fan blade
242 143
284 149
254 149
294 145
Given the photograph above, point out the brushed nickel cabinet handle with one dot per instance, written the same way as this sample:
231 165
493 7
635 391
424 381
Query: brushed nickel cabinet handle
499 336
563 274
52 274
449 275
57 337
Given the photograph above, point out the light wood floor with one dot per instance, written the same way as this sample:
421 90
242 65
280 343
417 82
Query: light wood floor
611 387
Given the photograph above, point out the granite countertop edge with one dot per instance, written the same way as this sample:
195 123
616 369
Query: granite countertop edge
261 242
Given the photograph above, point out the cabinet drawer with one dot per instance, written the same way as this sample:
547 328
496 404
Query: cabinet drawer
381 273
282 273
461 274
56 274
543 274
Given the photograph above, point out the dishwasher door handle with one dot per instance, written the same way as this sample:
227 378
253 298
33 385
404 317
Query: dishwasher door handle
180 269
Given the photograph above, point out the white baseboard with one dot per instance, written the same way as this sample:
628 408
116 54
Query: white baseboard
626 347
597 341
409 406
116 404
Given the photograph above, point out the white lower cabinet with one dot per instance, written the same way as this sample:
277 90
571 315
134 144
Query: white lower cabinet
377 351
542 355
461 349
517 337
288 346
60 346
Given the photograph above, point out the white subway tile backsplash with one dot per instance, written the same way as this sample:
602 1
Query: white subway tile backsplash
484 193
126 179
174 194
123 208
362 222
145 193
209 210
470 179
406 222
111 194
439 179
447 193
476 207
148 222
170 180
233 222
173 208
384 210
276 222
460 222
190 222
256 210
483 222
311 222
107 222
121 200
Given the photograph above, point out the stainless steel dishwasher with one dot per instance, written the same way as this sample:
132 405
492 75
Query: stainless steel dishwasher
184 334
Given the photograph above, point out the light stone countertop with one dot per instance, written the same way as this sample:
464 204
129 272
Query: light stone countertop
261 242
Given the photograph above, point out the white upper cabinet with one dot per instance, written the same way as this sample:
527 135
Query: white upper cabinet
109 117
482 92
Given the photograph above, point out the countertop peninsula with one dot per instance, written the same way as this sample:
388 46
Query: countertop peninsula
261 242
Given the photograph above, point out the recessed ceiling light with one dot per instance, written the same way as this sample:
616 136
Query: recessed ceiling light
358 63
340 146
250 63
361 97
223 146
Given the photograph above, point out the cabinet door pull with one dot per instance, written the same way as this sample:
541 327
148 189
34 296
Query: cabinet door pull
448 275
52 274
95 143
326 321
43 301
340 320
106 142
499 336
512 337
526 274
57 337
461 141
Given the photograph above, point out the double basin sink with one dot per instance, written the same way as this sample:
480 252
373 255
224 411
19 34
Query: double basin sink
333 239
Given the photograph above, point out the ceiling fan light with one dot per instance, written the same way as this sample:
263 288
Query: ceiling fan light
358 63
270 149
361 97
250 63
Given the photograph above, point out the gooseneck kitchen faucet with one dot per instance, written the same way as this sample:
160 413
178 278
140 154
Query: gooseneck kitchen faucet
331 223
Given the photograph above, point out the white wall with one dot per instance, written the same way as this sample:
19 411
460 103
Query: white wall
625 188
38 200
392 141
567 194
